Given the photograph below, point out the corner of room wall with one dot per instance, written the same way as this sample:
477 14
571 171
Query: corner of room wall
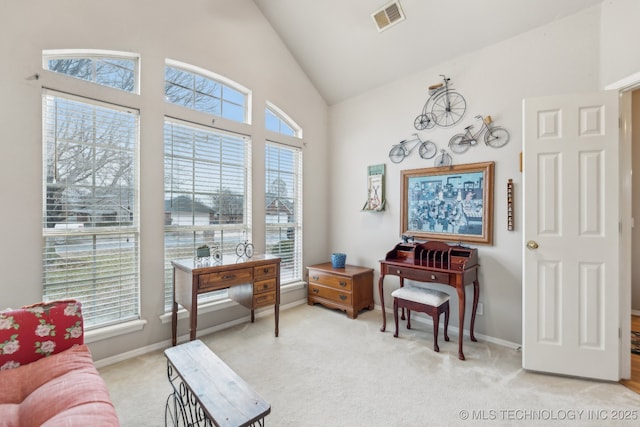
556 58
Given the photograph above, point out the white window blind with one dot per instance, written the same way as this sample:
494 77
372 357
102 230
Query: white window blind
207 196
283 208
90 207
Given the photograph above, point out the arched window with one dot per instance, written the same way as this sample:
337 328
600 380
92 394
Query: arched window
205 91
118 70
277 121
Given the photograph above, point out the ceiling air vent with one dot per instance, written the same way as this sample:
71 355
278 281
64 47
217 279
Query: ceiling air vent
388 15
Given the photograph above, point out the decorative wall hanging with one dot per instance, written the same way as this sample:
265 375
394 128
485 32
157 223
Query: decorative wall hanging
444 107
443 160
494 136
375 189
450 204
510 205
405 147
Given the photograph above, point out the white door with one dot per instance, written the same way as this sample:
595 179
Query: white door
571 237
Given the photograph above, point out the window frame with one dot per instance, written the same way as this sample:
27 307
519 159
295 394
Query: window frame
217 230
283 118
282 141
217 78
94 54
95 232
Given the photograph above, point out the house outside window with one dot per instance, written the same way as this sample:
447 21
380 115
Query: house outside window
207 199
90 207
283 194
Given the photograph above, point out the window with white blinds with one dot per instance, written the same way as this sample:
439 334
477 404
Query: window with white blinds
283 208
207 192
90 207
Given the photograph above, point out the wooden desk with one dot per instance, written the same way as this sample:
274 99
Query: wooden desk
252 282
207 392
435 262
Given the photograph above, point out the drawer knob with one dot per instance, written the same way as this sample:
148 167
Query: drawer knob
265 286
343 297
315 277
265 271
433 277
398 272
315 290
343 284
228 276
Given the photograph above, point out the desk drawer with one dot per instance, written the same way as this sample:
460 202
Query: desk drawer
330 294
333 281
264 286
225 279
264 271
264 299
420 275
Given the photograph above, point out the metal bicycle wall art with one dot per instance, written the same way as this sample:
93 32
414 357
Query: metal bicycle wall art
449 204
399 151
494 136
444 107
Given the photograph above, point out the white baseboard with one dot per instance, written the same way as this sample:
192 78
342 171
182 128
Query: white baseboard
167 343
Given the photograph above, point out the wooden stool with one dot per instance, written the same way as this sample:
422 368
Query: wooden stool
424 300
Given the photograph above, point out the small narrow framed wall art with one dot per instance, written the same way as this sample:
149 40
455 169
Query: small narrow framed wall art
375 189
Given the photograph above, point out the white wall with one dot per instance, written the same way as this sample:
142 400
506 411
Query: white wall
620 31
231 38
561 57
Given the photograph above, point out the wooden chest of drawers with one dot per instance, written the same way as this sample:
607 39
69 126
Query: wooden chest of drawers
349 289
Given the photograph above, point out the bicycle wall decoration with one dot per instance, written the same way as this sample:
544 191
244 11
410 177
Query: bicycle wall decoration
402 149
444 107
494 136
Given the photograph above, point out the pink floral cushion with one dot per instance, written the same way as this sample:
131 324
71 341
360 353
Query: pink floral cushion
40 330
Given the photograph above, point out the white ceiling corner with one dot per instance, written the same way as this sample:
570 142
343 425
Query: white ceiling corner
345 55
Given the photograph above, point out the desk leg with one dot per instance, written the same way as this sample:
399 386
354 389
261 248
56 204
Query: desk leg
174 323
381 292
476 297
461 306
277 315
402 286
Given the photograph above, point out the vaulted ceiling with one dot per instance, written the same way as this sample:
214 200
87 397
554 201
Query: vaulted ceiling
338 45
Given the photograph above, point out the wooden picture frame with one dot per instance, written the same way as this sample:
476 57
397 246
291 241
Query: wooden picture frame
451 203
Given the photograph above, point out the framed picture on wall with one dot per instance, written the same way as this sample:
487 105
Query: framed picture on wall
449 203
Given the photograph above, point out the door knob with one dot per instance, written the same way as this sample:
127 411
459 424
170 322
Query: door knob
532 244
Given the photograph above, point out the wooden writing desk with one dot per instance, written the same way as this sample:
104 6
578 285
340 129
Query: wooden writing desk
435 262
252 282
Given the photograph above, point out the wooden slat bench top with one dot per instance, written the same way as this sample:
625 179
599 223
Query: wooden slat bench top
225 397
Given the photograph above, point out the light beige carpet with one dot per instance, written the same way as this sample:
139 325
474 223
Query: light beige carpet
328 370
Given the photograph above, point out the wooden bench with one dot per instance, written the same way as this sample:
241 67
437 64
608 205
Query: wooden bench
206 392
429 301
